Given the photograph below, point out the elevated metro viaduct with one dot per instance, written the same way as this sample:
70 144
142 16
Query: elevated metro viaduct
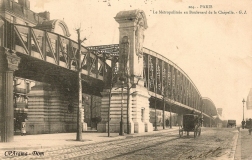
34 50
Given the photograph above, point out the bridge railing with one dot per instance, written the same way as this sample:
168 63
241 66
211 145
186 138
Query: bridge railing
55 49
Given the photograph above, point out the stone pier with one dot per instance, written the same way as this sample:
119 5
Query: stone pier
130 68
8 64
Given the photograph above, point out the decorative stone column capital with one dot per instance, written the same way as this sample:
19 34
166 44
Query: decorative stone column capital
132 25
10 59
131 18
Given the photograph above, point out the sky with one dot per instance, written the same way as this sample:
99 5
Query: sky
215 50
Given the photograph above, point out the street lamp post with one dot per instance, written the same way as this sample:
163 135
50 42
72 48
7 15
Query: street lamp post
110 90
170 110
170 118
155 112
155 108
121 123
243 122
163 112
128 95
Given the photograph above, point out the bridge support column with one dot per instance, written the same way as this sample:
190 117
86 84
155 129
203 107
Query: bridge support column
51 110
115 111
140 109
138 113
8 64
131 27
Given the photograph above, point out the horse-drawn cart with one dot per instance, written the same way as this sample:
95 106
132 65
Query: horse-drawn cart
191 123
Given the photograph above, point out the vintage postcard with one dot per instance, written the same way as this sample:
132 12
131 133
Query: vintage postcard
126 79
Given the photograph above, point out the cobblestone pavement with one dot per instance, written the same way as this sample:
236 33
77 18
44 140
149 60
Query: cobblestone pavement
212 144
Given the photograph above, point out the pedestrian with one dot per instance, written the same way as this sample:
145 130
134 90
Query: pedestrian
23 128
249 123
167 122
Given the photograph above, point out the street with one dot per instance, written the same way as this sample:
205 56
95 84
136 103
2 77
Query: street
212 144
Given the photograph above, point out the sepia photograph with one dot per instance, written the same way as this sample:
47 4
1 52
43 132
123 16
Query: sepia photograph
126 79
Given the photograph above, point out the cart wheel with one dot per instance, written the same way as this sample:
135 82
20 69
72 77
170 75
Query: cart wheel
195 132
180 133
199 132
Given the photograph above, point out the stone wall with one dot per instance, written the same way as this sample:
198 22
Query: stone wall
49 111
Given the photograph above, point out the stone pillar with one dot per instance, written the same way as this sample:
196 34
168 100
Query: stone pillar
140 109
8 64
115 110
50 111
131 27
37 109
103 125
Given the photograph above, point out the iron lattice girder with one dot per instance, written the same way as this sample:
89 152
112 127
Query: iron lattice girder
161 75
62 51
110 51
55 49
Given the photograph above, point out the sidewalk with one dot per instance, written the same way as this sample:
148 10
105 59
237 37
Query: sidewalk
243 149
66 139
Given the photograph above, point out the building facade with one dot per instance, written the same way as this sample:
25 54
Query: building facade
45 108
249 100
47 101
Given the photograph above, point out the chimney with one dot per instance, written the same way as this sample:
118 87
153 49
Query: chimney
45 15
24 3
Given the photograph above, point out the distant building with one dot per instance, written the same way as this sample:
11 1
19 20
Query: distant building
33 100
18 11
249 100
219 111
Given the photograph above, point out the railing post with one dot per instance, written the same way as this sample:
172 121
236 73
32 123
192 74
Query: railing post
96 67
88 63
44 44
68 54
13 38
29 41
57 50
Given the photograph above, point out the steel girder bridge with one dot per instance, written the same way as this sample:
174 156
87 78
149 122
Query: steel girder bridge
165 81
52 58
46 56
